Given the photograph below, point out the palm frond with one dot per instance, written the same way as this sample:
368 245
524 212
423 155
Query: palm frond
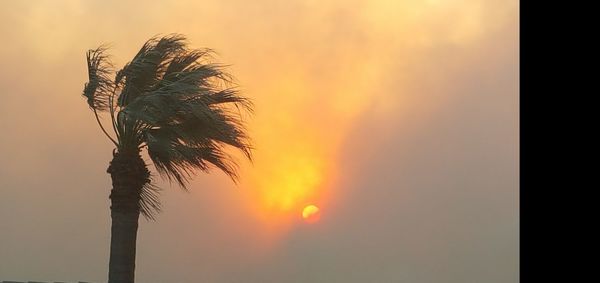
230 95
99 86
178 161
148 66
149 200
185 135
189 119
187 59
176 102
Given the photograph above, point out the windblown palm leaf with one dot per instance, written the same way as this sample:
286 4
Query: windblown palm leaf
98 89
176 103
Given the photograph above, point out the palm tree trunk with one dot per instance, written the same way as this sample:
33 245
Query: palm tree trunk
129 174
122 247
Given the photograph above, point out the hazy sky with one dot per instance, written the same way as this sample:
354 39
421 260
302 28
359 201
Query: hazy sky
399 119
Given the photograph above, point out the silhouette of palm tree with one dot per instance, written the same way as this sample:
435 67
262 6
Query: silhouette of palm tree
176 104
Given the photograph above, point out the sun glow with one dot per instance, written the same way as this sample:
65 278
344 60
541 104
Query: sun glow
307 105
298 177
292 175
297 138
311 213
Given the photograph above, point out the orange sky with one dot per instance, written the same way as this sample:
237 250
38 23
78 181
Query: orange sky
350 97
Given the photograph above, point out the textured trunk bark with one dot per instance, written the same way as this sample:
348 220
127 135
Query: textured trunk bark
129 174
122 247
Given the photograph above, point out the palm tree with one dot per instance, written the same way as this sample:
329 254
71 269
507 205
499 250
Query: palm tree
177 105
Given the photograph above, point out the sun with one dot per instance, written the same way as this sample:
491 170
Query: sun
311 214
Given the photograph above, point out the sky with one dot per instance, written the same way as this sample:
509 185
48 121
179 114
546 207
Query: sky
398 119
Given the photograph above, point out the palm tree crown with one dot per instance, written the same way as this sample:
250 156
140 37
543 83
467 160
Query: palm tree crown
174 102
